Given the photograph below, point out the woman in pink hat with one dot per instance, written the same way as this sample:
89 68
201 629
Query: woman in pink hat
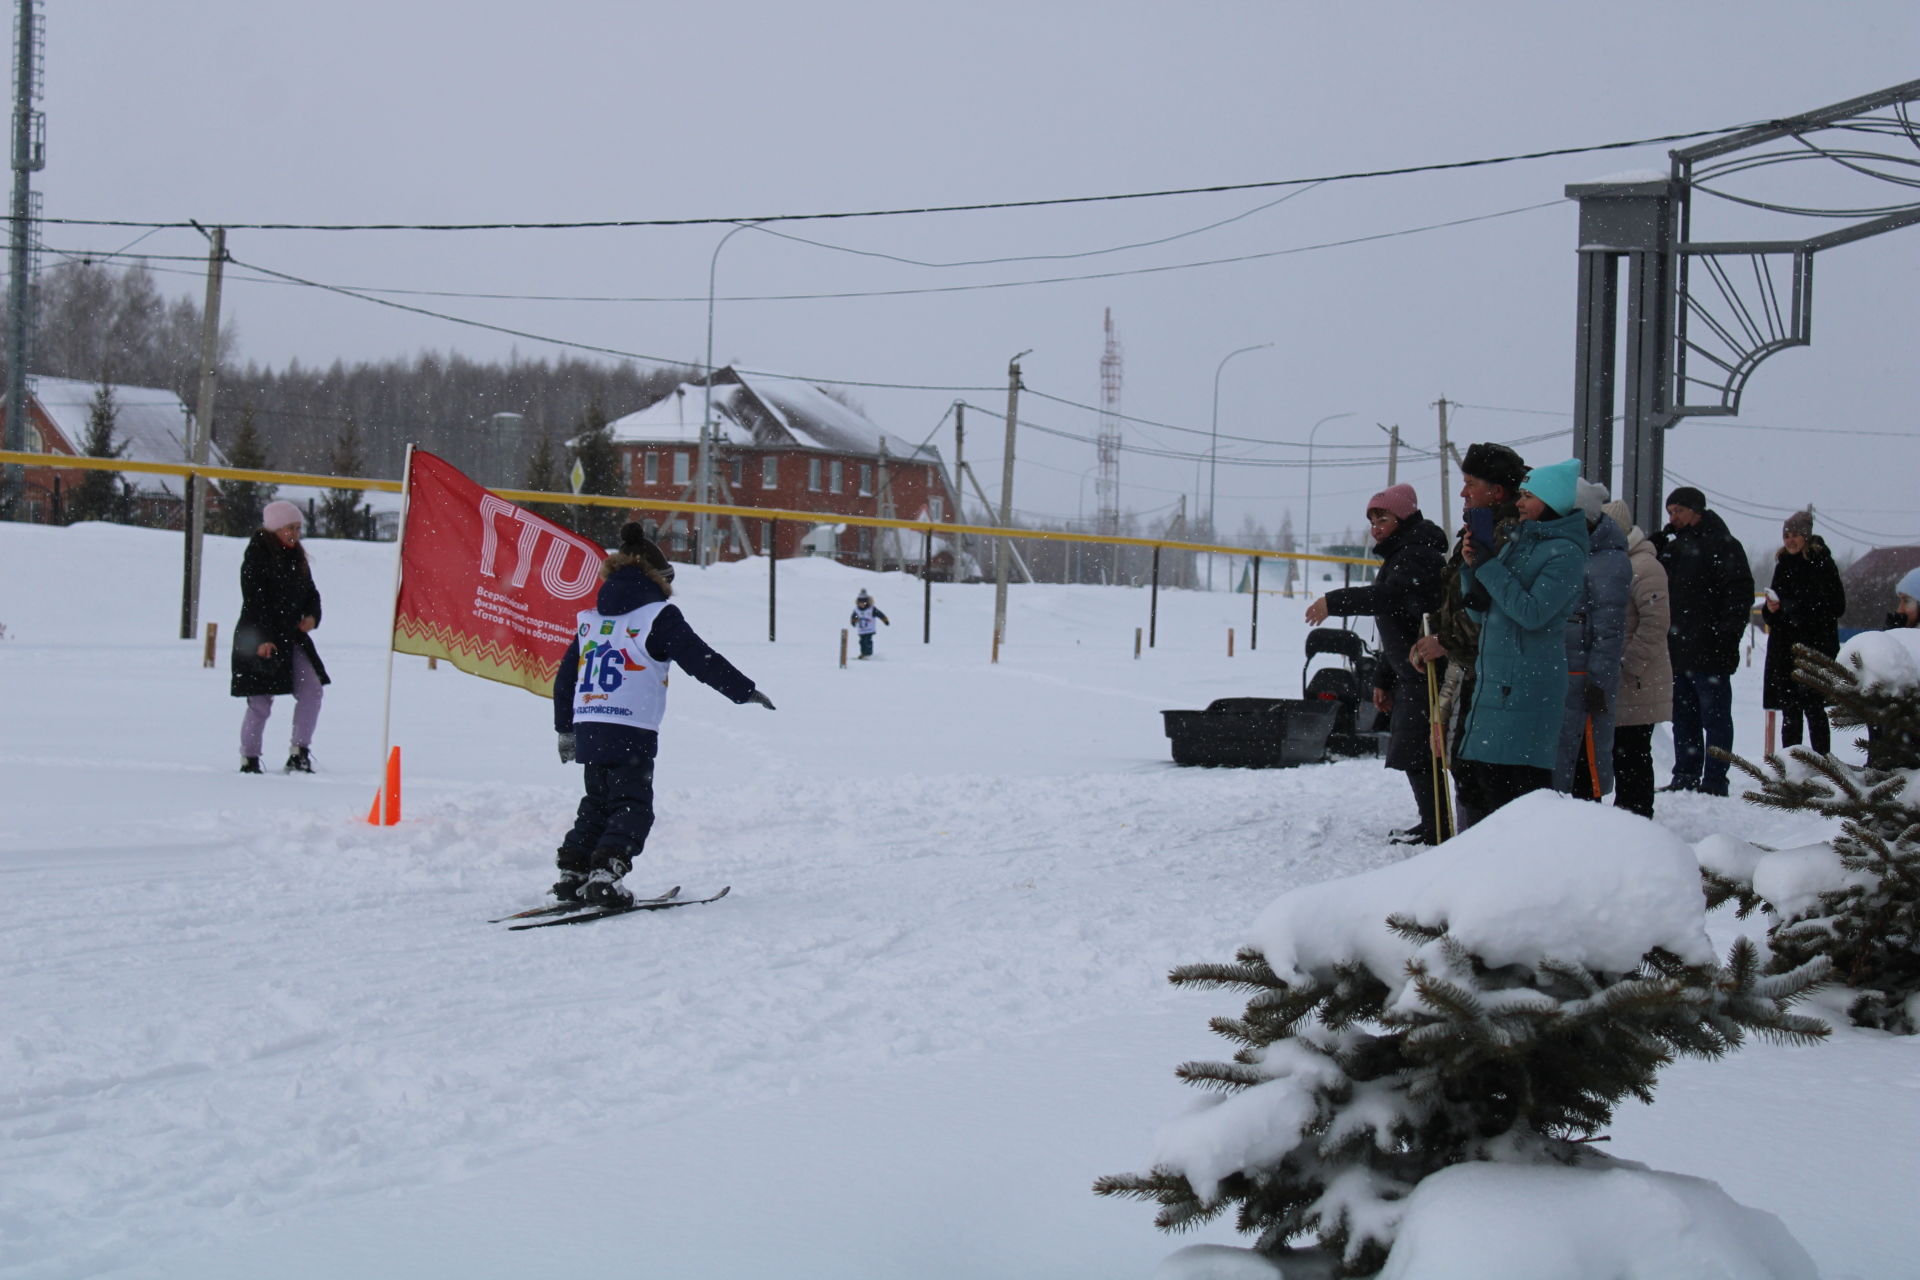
1413 554
273 651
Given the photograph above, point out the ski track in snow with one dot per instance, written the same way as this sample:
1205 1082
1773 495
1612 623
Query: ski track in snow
230 1000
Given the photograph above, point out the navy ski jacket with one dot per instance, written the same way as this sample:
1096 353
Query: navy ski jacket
671 640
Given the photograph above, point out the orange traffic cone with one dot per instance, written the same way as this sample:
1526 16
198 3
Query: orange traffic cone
387 798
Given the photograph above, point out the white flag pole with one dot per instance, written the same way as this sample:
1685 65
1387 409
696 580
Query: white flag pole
393 620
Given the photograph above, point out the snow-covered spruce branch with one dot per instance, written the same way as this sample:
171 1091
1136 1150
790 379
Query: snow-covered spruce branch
1485 1062
1862 912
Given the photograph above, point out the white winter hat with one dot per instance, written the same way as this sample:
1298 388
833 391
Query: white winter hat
279 514
1591 498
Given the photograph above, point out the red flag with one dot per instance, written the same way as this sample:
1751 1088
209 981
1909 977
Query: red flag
487 585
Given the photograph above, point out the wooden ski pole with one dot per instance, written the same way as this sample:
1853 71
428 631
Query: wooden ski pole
1437 759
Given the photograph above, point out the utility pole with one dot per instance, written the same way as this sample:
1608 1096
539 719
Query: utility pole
1393 453
1000 561
29 155
197 448
959 478
1446 521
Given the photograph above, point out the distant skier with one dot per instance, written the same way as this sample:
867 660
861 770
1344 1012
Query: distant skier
864 613
609 696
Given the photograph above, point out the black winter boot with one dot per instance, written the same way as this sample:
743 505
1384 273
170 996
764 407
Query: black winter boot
250 764
603 888
567 888
299 761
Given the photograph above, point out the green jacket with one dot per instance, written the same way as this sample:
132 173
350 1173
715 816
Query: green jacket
1522 599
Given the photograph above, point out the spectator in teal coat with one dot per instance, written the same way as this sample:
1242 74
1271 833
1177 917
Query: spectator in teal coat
1522 598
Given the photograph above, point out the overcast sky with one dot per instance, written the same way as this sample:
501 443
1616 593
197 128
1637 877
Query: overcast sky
405 111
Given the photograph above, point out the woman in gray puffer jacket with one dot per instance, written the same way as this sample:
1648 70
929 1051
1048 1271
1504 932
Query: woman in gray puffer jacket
1596 635
1646 670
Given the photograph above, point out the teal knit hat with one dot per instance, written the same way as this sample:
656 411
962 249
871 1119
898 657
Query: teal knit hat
1555 485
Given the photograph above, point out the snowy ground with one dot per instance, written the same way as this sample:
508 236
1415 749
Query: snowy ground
248 1035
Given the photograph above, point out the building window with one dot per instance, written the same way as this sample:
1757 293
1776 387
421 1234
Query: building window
626 469
937 507
813 474
739 470
770 472
682 466
650 468
866 479
834 482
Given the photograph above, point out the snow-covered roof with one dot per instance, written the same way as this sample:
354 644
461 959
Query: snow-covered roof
151 422
675 419
765 410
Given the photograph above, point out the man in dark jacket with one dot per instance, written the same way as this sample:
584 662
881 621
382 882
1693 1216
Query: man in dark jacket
1490 477
1711 586
1413 552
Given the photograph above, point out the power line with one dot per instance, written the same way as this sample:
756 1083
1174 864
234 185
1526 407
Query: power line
586 346
1694 421
1055 201
702 299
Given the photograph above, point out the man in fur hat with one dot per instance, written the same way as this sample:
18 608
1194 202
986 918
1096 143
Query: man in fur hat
609 696
1490 477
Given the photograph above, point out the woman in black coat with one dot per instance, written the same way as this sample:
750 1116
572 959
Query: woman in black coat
1413 555
1804 605
273 650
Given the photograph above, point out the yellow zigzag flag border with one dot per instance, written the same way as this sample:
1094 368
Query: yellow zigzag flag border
485 658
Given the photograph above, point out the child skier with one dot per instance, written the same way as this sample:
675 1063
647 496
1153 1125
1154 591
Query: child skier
609 696
864 612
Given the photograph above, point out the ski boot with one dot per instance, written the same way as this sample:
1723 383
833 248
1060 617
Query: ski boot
569 886
603 887
299 761
250 764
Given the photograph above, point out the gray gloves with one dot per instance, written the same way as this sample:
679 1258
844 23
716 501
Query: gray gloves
760 698
566 748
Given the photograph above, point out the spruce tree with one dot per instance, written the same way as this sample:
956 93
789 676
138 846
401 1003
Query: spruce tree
1369 1087
1867 923
340 515
242 501
600 467
98 496
543 476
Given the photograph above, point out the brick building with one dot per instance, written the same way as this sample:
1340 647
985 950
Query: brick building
151 424
787 444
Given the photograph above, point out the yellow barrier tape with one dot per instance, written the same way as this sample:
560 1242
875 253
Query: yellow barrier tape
71 462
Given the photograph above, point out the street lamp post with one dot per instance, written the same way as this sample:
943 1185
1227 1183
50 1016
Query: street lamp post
704 460
1213 448
1307 542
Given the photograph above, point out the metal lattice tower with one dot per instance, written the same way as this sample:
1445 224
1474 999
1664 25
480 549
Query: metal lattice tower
1106 487
29 155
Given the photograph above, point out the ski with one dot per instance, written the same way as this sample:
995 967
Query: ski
559 908
641 904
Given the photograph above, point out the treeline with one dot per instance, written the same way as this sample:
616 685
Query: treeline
98 323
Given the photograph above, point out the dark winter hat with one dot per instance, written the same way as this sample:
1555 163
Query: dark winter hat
1397 500
634 542
862 596
1800 522
1496 464
1689 497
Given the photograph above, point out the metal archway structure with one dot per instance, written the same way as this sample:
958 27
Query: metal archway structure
1702 315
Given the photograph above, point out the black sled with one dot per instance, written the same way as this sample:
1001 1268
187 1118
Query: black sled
1335 717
